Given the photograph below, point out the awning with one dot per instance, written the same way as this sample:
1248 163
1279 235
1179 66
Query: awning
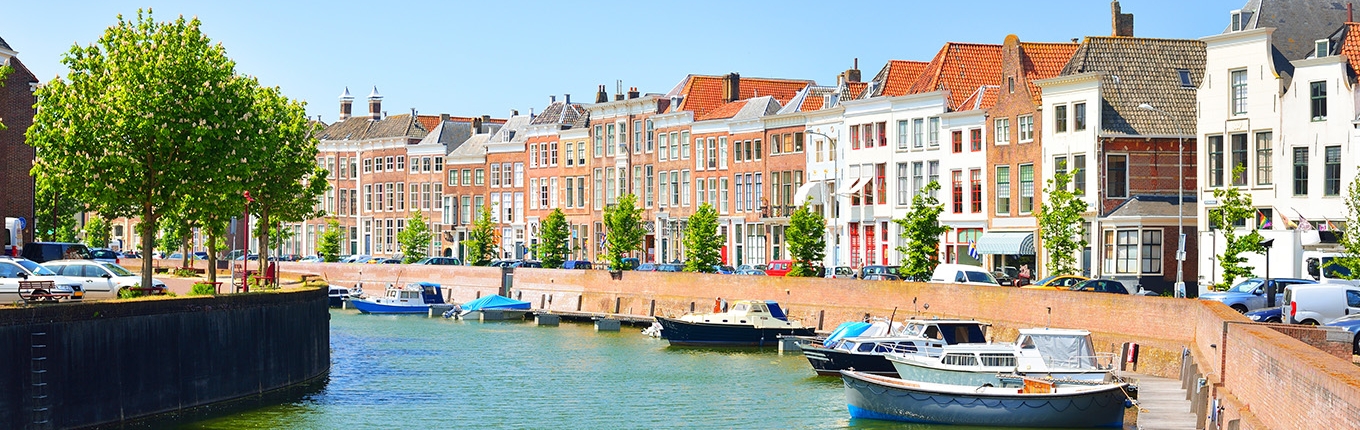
852 186
1006 243
814 190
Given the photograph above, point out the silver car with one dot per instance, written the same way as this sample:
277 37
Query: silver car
102 280
14 270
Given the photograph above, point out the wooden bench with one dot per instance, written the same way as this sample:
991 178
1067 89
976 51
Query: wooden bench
40 291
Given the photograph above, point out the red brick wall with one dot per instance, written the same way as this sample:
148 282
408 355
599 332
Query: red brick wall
1152 167
16 157
1286 384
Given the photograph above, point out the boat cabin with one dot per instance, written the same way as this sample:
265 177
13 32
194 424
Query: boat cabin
759 313
1060 349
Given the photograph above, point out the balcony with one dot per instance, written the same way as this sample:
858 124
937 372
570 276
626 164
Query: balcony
777 211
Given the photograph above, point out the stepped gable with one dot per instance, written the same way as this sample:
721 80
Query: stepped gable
1041 60
1142 70
960 68
895 78
702 93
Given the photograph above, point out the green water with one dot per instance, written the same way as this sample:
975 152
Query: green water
416 372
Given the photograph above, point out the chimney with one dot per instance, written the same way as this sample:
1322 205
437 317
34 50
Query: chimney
601 96
1122 22
443 118
486 118
731 87
618 97
375 105
514 113
567 97
476 125
633 93
851 75
346 105
552 98
1350 13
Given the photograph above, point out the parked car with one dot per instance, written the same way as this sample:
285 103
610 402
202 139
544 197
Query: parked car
723 270
42 252
778 267
385 261
1350 323
1250 294
359 258
1265 315
13 270
670 267
630 263
203 255
310 259
1101 286
962 274
102 280
577 265
645 267
1057 282
105 255
438 261
751 271
865 271
1006 275
842 272
760 267
1319 303
527 264
882 277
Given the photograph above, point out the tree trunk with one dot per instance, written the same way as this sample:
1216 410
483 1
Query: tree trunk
212 255
148 239
262 232
185 247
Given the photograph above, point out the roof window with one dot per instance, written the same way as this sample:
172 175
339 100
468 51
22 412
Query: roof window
1185 78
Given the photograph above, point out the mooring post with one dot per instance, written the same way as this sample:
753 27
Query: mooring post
579 300
618 303
691 307
543 302
821 316
652 312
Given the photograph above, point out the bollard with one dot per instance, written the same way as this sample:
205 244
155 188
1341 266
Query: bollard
618 303
579 300
821 316
519 295
652 312
691 307
543 302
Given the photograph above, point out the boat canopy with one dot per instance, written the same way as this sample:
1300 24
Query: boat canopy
846 329
429 292
495 301
775 311
1062 350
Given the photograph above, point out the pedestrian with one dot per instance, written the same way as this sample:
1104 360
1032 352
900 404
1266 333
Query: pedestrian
1024 275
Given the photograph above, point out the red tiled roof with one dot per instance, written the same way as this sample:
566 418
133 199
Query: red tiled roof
960 68
428 121
854 90
811 104
1350 47
727 110
983 97
703 93
1042 61
901 74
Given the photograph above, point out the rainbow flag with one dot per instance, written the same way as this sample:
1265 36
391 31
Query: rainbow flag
1262 221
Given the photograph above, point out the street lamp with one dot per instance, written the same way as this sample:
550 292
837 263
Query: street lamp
1180 199
835 202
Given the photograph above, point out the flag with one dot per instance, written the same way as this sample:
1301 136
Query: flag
972 250
1322 226
1262 220
1288 223
1332 227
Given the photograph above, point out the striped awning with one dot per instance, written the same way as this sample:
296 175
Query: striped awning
1006 243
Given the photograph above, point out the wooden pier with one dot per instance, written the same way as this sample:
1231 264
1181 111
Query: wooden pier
1162 404
635 320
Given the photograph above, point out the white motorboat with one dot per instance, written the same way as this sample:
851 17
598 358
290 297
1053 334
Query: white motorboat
1060 354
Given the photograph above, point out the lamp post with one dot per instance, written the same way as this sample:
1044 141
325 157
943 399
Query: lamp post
835 203
1180 199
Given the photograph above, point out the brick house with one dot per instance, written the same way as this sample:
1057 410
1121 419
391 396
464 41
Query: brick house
16 156
555 171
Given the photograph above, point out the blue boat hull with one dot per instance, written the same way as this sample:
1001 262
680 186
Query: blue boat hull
867 398
684 333
369 307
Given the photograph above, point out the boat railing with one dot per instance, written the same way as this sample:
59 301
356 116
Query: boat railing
908 348
1100 361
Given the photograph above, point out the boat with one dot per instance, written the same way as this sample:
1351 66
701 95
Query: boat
337 295
747 323
494 307
863 346
1038 404
1051 353
414 298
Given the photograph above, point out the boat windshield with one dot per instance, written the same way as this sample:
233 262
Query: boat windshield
962 333
1248 286
741 307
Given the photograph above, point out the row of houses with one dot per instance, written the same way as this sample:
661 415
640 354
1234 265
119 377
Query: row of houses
1147 128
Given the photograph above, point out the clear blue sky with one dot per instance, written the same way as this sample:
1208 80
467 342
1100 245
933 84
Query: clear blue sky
488 57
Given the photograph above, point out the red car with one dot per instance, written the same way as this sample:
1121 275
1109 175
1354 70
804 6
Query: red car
778 267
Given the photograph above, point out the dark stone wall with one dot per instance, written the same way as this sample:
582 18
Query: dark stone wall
107 362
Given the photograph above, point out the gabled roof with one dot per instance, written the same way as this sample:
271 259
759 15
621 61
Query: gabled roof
1138 70
513 130
960 68
726 110
852 90
362 127
447 133
702 93
473 147
1297 23
983 98
1041 60
565 115
895 78
812 98
4 45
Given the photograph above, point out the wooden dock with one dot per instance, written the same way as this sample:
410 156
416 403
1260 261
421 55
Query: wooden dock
636 320
1162 404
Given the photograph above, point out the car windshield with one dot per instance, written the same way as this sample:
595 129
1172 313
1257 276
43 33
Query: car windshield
118 270
1045 281
1247 286
984 277
36 268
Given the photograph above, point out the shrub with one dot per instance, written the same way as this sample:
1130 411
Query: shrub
130 293
186 273
202 289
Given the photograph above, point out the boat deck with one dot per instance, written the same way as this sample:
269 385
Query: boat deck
1162 404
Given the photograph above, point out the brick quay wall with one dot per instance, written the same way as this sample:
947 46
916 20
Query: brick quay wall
1263 377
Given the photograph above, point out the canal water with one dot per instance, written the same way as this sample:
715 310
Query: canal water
407 372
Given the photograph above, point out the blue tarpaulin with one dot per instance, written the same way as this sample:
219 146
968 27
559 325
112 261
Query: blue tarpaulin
846 329
494 301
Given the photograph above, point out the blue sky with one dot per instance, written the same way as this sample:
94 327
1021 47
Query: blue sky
488 57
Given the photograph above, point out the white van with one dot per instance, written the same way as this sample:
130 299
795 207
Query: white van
1321 267
1315 304
962 274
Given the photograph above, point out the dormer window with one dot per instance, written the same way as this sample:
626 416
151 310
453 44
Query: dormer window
1236 20
1321 48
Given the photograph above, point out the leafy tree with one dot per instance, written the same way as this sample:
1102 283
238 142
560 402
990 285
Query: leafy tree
623 230
286 183
415 239
1060 225
55 208
702 244
483 239
1235 206
329 244
554 247
97 232
806 239
144 113
1350 238
921 228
